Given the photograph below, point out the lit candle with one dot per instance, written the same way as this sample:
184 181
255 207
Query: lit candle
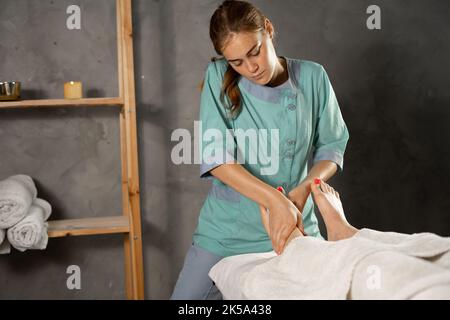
73 90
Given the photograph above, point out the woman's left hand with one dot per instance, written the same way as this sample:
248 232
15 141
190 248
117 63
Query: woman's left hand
298 196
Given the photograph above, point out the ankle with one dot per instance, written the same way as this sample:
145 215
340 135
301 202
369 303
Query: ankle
333 222
344 231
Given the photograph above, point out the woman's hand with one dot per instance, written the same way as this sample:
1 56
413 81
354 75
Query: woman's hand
298 196
265 218
282 221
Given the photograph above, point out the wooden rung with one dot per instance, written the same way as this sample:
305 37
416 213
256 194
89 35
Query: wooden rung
88 226
87 102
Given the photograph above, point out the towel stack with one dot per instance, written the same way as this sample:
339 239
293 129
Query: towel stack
23 216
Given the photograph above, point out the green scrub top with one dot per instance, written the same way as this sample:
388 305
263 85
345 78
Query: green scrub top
306 114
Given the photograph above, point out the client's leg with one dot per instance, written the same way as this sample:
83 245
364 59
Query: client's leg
330 207
394 275
442 260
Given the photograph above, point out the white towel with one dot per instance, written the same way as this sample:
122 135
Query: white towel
395 275
31 232
17 193
5 247
2 235
311 268
423 245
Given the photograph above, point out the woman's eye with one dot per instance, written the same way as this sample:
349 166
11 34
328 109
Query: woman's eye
256 53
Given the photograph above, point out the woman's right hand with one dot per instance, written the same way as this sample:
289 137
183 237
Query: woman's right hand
282 221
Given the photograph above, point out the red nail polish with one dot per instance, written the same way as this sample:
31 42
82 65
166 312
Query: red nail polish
280 189
316 181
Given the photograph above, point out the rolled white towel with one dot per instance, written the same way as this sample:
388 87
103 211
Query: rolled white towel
17 193
5 247
2 235
31 232
4 244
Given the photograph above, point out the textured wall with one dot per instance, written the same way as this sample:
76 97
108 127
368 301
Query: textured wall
391 85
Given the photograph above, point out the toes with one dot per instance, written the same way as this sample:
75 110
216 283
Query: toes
333 191
321 186
325 187
329 189
315 188
338 196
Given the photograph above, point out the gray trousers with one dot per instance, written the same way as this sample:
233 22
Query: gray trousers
193 282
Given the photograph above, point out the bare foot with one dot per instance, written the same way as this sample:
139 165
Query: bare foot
330 207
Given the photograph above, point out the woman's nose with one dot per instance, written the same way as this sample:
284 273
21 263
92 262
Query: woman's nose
252 67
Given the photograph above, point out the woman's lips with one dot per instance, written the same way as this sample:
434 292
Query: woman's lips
258 76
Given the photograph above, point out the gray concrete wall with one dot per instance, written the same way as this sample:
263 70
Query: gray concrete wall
391 84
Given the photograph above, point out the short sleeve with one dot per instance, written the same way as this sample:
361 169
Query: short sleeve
216 141
331 134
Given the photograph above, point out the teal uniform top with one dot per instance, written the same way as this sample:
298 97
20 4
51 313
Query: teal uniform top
302 119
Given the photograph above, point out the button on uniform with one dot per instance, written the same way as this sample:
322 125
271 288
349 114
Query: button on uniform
289 156
292 107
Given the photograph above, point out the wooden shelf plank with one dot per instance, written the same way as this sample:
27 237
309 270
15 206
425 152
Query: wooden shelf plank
87 102
88 226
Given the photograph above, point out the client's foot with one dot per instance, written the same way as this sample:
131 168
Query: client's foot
330 207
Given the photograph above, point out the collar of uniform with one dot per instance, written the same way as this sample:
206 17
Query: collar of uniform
273 94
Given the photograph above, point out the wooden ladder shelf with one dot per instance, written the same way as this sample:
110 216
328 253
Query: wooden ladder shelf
129 223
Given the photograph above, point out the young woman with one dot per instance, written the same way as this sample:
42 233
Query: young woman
252 89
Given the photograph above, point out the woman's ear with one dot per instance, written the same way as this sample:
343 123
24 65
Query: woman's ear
269 28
